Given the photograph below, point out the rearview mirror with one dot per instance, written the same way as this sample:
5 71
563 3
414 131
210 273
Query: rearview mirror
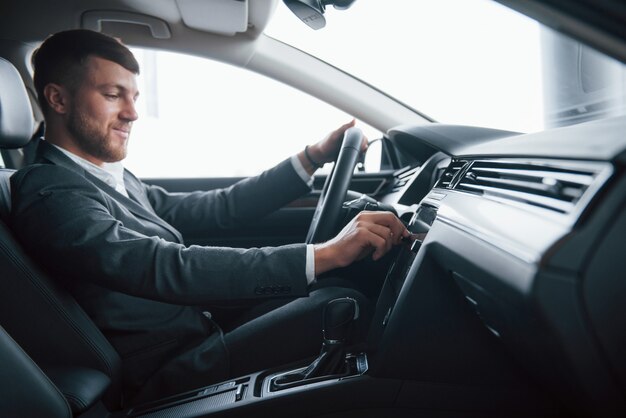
311 12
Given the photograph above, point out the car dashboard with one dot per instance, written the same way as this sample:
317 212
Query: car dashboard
517 273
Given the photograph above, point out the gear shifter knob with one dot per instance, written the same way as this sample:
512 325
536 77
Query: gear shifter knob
338 316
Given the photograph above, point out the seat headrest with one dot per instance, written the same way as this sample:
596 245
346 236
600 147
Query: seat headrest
16 115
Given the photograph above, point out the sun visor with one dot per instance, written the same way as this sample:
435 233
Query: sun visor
225 17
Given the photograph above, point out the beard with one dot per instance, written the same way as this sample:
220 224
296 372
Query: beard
94 139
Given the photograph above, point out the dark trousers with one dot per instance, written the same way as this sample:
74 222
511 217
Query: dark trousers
266 335
279 332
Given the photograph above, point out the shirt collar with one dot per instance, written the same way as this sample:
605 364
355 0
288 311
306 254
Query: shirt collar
111 173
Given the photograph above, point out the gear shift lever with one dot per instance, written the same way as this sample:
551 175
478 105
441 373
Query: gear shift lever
339 314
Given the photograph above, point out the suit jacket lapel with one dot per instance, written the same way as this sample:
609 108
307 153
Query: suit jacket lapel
140 206
135 190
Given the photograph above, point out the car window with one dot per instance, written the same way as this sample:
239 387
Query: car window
201 118
468 62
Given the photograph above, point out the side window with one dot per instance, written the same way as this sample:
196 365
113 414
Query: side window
201 118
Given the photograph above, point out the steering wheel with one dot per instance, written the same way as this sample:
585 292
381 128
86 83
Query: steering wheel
326 216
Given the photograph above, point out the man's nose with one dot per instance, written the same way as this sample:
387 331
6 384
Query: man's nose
129 112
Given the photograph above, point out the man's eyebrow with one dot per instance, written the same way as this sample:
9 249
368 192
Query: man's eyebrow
111 86
117 87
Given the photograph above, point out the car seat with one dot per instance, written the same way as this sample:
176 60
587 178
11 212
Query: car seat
39 315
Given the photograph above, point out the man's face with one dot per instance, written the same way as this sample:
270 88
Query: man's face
102 111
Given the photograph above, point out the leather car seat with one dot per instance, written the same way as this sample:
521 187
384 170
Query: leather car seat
46 322
26 390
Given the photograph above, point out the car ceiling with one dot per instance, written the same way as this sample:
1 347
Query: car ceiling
598 23
602 23
245 49
229 45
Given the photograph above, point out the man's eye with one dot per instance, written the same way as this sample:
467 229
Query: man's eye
111 96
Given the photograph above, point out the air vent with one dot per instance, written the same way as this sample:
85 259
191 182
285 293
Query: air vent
446 181
553 185
402 177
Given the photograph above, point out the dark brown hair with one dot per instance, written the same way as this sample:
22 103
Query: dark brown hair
61 57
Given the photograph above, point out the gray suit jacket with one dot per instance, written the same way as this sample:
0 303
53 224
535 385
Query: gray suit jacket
125 261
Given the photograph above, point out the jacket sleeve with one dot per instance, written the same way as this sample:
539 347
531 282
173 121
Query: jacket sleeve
243 202
66 223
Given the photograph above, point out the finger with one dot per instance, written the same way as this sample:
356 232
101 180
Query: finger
396 237
400 231
387 219
380 230
386 234
396 226
343 128
365 144
337 135
379 244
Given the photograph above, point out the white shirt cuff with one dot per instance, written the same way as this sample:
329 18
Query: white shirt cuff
310 264
297 165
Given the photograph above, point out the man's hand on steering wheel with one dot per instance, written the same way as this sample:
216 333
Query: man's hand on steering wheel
327 149
368 233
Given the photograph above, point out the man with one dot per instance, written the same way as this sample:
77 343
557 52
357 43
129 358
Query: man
117 245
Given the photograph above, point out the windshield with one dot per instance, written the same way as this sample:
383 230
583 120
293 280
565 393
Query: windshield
470 62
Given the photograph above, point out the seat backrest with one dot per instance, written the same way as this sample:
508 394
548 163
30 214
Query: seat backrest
5 194
41 316
26 390
16 115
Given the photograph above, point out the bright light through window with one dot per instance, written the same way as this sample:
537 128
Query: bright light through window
200 118
467 62
471 62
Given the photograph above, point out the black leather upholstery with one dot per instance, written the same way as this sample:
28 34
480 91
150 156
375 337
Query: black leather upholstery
5 194
26 391
46 321
81 387
16 115
35 311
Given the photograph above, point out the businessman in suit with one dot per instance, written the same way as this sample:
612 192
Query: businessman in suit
117 243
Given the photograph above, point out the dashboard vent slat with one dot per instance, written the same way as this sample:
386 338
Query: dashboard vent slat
451 174
554 185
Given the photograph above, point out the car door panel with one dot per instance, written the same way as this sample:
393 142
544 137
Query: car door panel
286 225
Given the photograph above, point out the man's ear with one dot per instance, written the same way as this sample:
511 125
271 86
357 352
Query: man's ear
57 97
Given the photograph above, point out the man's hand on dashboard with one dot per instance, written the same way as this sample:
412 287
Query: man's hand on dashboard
372 233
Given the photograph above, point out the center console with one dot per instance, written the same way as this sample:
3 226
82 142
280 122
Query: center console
419 225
